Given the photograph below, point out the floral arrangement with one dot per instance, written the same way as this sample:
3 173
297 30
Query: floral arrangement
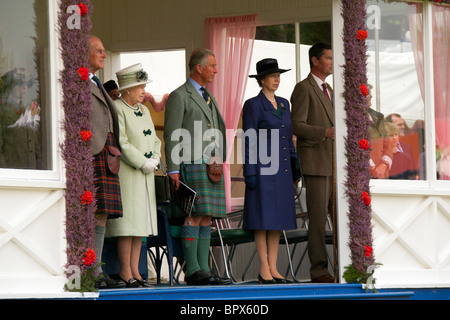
141 76
357 146
77 105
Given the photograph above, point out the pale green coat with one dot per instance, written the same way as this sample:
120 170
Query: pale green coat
136 141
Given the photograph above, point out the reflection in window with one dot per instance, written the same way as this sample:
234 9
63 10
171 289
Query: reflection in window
24 98
396 103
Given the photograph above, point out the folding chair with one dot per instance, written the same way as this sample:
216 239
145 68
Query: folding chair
301 235
169 246
228 234
291 236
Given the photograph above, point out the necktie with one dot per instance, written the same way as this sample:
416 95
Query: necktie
325 90
97 81
206 96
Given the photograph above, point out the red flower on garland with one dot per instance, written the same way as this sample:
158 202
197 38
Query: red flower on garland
364 90
368 252
89 257
87 198
366 198
83 9
84 73
85 135
364 144
361 35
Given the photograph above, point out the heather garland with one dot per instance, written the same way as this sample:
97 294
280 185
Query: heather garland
357 148
74 26
442 2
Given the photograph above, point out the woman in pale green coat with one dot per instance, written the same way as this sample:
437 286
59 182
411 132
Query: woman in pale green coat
141 151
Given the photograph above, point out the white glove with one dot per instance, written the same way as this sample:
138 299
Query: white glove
150 165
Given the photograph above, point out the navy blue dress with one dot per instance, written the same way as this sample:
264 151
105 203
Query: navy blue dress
271 204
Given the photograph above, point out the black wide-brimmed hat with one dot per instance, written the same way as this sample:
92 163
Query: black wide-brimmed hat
267 66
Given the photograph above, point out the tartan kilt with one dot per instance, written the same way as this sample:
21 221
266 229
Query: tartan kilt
210 196
107 185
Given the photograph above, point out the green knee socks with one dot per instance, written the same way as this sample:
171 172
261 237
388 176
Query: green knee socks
204 242
196 242
189 241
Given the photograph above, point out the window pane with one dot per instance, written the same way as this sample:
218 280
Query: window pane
24 87
395 72
441 39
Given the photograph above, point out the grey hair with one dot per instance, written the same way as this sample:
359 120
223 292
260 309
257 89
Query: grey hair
199 57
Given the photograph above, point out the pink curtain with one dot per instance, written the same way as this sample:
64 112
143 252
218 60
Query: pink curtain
231 39
441 57
441 72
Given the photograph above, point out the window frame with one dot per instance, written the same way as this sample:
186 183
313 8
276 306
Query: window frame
54 177
430 185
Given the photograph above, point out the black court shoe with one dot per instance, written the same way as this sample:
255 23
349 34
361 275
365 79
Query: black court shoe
264 281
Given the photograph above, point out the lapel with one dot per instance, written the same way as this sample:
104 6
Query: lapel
326 103
199 101
267 105
98 93
265 102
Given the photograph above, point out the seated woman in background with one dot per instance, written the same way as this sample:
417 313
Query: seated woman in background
402 162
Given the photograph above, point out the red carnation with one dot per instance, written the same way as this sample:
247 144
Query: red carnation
368 251
361 35
89 257
365 198
87 198
85 135
84 73
364 144
83 9
364 90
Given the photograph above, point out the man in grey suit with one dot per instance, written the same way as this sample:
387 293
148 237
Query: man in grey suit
313 124
194 131
105 134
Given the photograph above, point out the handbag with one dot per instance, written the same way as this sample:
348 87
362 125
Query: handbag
214 169
163 184
113 159
296 169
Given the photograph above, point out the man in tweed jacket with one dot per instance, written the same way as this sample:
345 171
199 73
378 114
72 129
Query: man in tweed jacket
193 124
313 124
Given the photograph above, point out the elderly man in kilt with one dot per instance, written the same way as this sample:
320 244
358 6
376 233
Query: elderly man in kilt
105 133
193 120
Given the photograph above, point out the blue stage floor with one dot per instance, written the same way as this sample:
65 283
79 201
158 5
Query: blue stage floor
254 291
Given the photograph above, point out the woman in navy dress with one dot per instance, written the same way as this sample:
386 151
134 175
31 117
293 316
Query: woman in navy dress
269 205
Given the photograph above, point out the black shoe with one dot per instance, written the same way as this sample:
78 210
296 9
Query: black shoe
106 282
144 283
198 278
264 281
282 280
216 280
131 283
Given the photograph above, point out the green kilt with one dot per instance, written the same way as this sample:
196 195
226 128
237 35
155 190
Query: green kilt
210 196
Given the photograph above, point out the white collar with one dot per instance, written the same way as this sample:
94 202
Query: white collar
318 80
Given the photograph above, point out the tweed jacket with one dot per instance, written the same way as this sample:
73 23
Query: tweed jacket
103 109
186 109
312 113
